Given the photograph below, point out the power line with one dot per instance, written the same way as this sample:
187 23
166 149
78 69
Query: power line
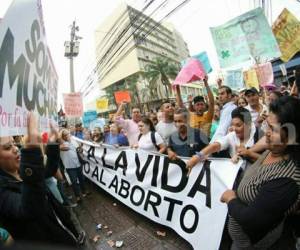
138 28
102 60
121 33
153 28
148 18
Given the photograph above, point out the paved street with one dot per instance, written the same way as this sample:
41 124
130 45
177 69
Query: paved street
136 231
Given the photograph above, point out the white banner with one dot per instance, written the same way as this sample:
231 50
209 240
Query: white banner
160 189
28 80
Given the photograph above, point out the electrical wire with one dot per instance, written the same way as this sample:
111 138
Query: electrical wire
109 60
121 33
154 27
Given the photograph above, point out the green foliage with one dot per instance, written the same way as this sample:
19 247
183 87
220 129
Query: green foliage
161 70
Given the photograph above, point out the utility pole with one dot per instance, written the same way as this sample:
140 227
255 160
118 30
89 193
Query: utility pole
71 51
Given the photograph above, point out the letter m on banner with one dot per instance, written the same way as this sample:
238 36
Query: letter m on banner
28 80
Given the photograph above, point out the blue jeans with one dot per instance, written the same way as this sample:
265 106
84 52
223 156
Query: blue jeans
77 180
51 183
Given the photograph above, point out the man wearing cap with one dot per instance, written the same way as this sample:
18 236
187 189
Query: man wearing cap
256 109
199 117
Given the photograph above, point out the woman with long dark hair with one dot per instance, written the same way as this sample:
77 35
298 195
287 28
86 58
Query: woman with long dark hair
149 139
269 190
28 210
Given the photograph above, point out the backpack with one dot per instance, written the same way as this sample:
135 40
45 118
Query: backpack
152 135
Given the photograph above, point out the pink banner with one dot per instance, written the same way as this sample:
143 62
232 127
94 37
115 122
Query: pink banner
191 72
73 104
264 74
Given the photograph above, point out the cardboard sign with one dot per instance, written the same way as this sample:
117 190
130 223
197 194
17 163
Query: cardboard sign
73 104
88 117
234 79
191 72
250 78
122 96
286 29
102 104
28 79
203 58
264 74
243 38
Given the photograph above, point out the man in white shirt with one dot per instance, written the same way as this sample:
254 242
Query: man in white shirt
225 98
254 106
166 127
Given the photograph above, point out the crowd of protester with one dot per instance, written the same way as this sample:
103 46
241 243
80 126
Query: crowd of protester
251 126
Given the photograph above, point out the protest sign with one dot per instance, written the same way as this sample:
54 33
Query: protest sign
203 58
101 104
98 123
28 80
191 72
245 37
234 79
160 189
286 29
264 74
122 96
250 78
88 117
73 104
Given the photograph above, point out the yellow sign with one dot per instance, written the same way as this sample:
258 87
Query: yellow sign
102 104
251 79
286 29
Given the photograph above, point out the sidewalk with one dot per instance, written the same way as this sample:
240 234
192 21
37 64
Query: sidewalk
136 231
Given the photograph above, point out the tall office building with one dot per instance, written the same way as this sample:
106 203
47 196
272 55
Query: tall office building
128 40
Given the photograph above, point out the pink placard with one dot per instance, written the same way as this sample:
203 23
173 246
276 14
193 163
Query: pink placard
191 72
264 74
73 104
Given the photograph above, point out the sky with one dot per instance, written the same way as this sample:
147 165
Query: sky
192 21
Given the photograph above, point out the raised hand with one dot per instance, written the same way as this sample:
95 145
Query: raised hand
33 138
53 136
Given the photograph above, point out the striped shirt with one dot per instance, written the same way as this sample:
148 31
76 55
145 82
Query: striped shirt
251 186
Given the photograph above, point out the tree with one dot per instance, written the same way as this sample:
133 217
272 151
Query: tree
131 85
161 70
109 93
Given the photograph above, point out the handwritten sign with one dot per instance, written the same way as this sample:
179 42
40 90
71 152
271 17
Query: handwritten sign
203 58
102 104
243 38
122 96
73 104
191 72
28 79
234 79
264 74
250 78
88 117
286 29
